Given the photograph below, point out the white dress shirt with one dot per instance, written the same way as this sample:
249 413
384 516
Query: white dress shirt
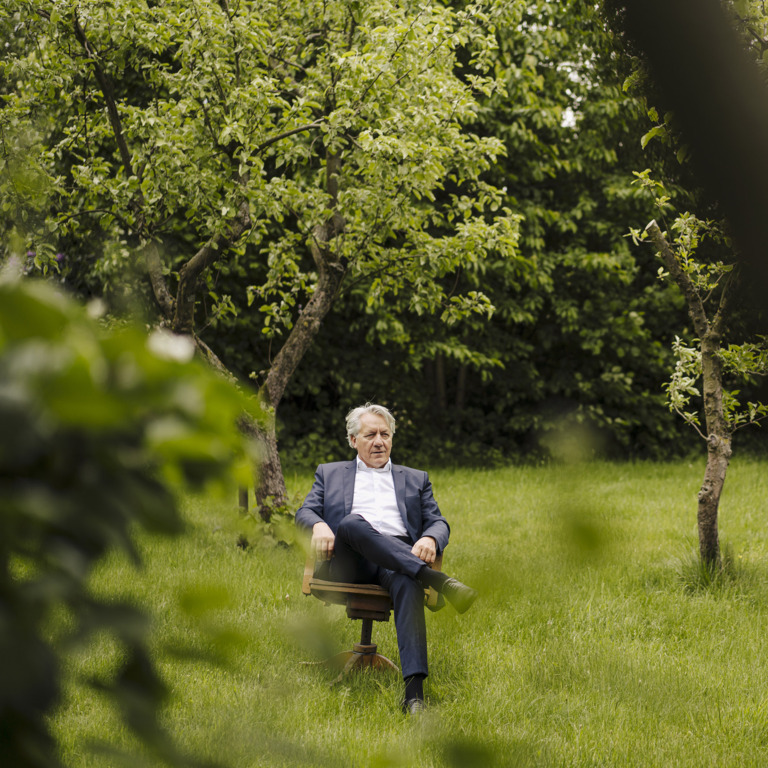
375 499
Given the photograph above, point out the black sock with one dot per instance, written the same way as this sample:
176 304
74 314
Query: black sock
414 687
430 578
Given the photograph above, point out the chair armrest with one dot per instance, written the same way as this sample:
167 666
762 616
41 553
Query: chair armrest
309 572
431 595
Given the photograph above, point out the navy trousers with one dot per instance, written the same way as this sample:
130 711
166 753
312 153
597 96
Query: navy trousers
362 555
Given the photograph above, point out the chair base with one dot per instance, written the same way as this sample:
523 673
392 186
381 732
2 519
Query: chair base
362 656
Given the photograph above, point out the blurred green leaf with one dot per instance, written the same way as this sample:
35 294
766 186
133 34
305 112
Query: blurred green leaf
97 425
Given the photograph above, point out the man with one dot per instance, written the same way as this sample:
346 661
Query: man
377 522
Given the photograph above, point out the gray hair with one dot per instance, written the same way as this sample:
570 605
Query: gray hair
354 416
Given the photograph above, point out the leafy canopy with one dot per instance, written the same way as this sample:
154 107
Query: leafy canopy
172 121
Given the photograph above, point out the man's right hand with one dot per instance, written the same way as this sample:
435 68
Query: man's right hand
322 541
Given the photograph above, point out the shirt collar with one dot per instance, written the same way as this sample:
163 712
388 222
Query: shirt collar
363 467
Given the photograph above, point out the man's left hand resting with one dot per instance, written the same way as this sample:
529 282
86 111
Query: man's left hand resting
426 549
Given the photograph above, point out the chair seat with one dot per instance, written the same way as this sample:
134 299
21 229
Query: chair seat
363 601
337 591
341 593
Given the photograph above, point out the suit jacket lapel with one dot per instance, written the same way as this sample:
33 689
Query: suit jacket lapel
398 476
349 485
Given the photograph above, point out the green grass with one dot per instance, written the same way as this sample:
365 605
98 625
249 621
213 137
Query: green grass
593 643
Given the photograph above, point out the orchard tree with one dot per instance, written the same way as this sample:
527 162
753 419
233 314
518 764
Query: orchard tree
302 146
705 84
713 407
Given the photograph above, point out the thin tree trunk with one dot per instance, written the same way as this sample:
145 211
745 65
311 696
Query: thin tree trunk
270 488
718 449
718 456
269 483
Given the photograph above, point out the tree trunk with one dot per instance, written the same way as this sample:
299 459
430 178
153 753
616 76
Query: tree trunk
718 455
331 271
270 487
269 483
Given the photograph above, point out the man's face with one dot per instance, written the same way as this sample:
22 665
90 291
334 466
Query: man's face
374 441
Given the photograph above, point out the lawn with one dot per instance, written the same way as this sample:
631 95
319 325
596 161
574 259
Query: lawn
591 645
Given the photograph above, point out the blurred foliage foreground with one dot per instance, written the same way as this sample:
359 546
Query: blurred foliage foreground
98 428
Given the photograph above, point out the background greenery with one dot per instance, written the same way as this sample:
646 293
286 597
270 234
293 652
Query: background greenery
593 643
582 327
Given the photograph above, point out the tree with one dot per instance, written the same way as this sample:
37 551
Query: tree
299 145
711 109
584 335
708 288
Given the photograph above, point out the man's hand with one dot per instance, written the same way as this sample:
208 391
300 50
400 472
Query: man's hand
322 541
426 549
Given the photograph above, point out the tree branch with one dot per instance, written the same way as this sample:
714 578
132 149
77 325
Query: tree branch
334 225
684 283
154 264
330 277
216 79
183 318
213 360
108 91
152 258
286 134
381 71
725 302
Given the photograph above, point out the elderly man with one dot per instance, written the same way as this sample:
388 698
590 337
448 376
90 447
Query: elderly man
373 521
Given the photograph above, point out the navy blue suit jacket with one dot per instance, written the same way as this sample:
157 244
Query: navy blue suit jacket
330 500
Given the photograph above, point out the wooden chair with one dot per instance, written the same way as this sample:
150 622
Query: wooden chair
367 602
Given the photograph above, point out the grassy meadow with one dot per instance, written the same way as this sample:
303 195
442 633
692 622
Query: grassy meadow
593 642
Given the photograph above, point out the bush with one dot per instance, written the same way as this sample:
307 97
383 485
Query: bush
99 427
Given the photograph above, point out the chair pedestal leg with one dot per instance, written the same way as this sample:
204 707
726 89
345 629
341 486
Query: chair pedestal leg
362 656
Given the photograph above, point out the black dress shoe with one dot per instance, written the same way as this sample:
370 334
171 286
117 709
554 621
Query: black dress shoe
459 595
414 707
